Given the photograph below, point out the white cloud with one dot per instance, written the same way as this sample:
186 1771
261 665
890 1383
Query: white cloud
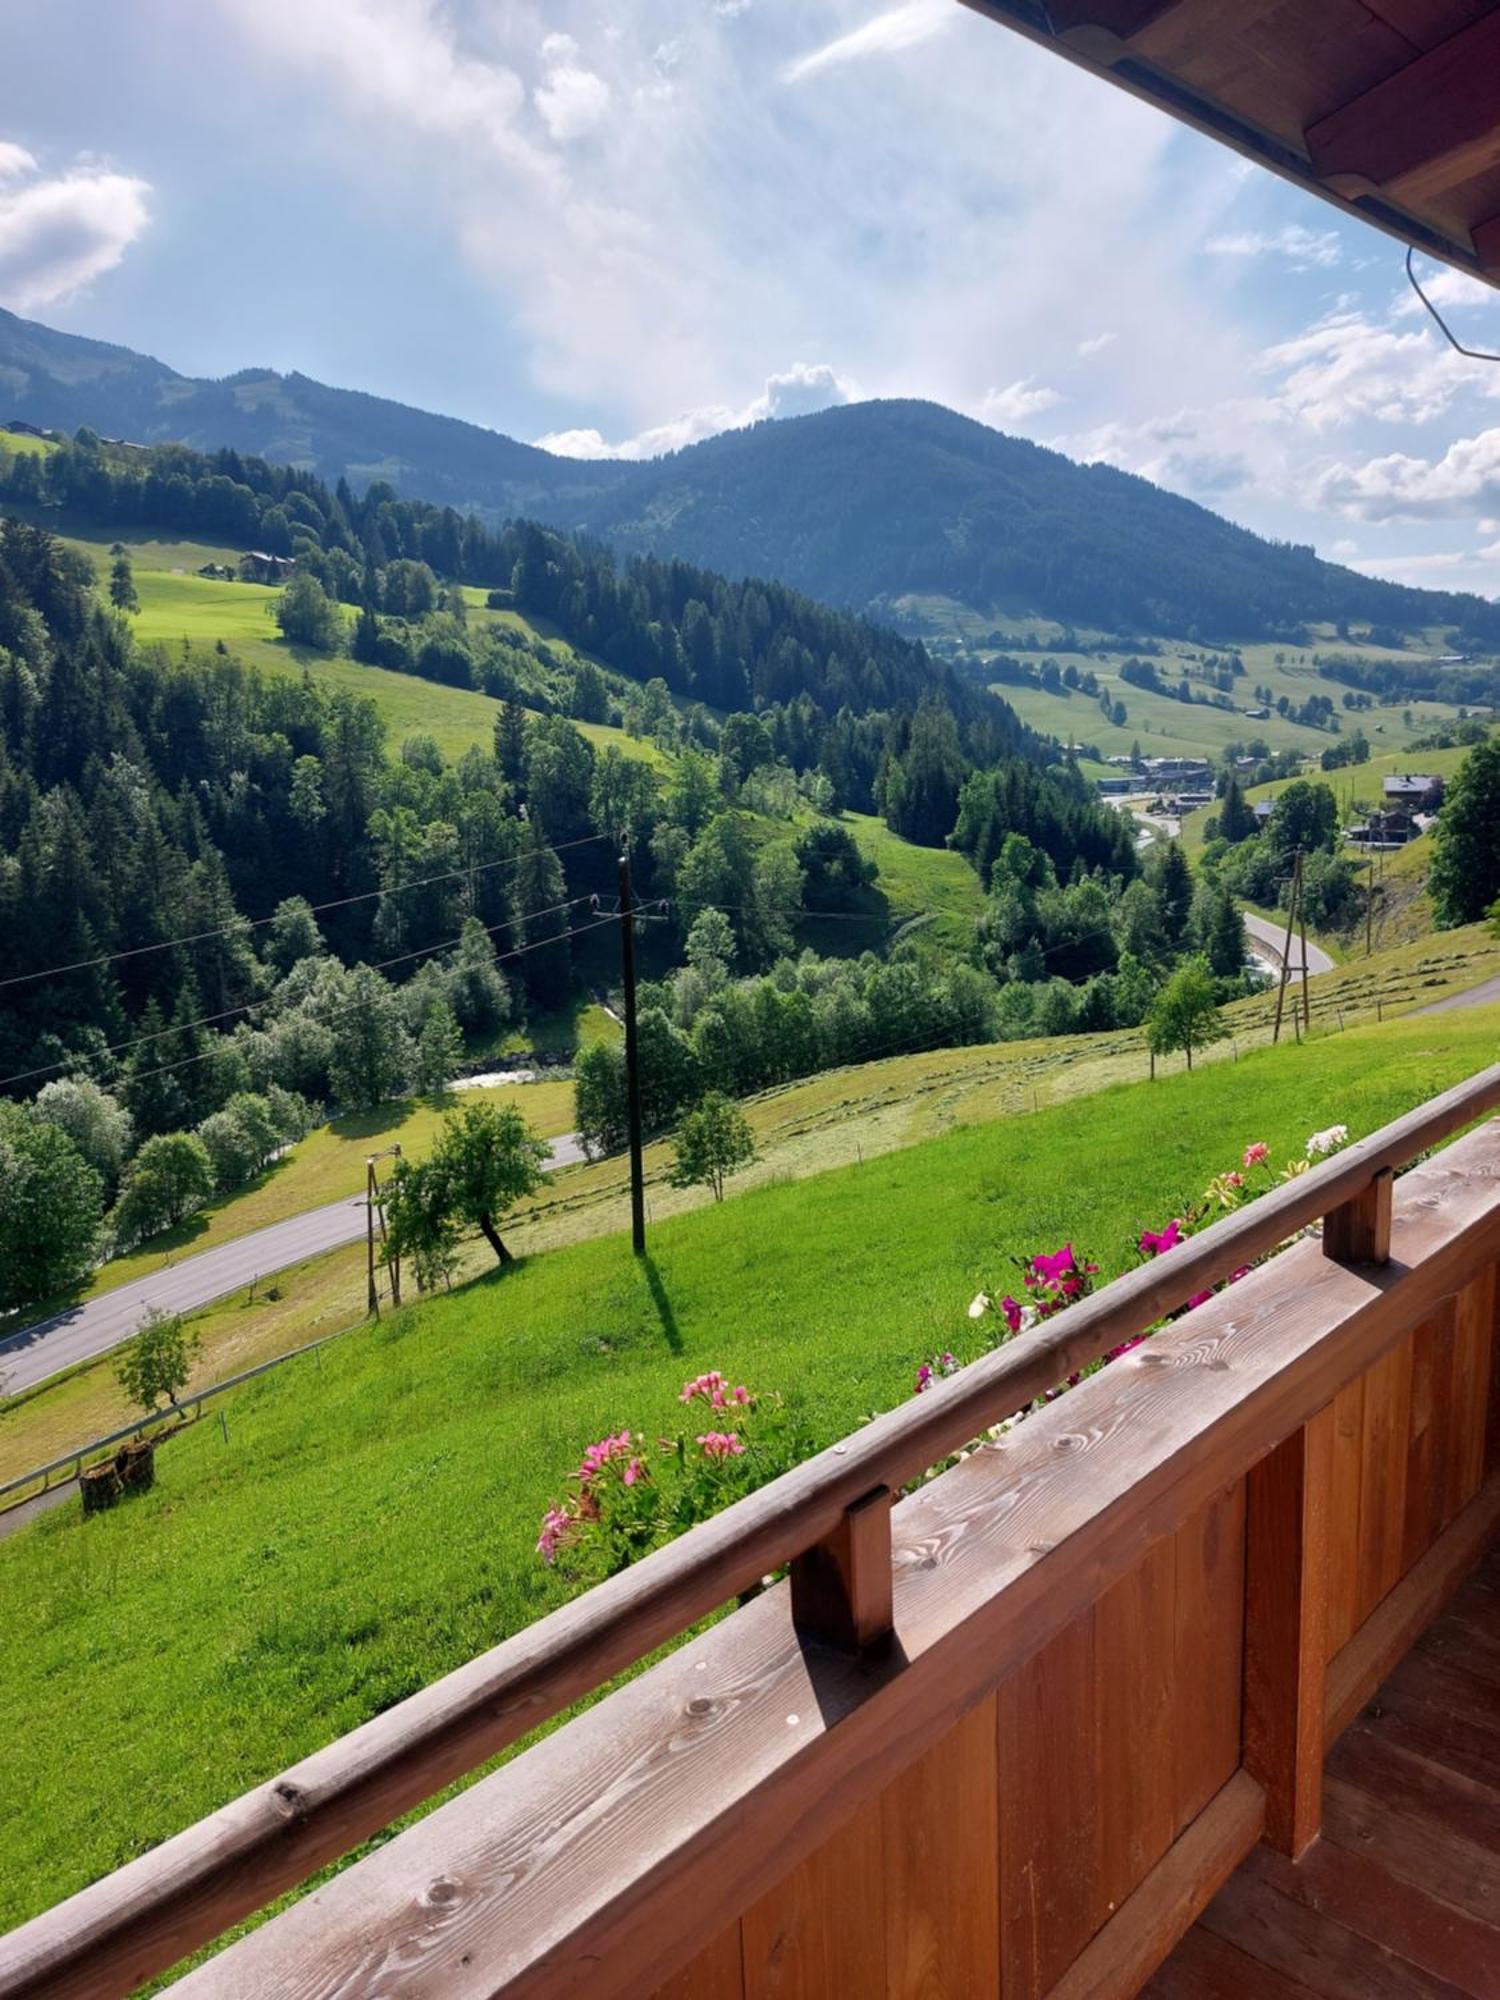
1349 366
59 233
572 100
1302 248
1343 549
1014 404
1098 342
1465 480
15 160
903 27
803 389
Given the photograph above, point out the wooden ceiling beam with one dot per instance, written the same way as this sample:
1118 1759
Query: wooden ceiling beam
1487 245
1431 126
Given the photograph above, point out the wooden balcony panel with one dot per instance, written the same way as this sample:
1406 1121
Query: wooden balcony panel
607 1857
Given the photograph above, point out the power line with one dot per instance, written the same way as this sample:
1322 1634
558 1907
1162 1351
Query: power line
243 924
501 958
247 1006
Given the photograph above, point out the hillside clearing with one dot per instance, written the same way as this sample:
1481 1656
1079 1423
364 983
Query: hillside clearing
370 1525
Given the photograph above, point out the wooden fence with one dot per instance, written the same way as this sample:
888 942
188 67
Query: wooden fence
1006 1736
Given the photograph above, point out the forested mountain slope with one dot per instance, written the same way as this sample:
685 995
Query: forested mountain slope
61 381
858 505
862 504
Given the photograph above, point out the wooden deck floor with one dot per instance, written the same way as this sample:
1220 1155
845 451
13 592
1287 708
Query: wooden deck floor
1401 1896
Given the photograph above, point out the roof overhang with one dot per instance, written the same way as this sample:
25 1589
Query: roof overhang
1389 109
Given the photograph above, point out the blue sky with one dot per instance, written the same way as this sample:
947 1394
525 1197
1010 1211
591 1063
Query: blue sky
621 227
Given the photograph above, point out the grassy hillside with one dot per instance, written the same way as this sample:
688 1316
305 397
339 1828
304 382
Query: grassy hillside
801 1130
1167 728
369 1526
1354 784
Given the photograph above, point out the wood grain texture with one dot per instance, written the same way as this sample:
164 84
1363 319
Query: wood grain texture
1492 1435
841 1586
1430 1431
1473 1351
1343 1505
1286 1629
1436 1937
1360 1666
820 1932
1124 1954
716 1974
1359 1232
1049 1813
1427 128
1135 1641
1209 1605
941 1847
734 1758
1382 1477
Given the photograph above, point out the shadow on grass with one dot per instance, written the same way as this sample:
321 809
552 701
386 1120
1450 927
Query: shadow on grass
670 1329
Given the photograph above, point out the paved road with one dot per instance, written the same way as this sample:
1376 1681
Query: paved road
98 1324
1477 996
1269 938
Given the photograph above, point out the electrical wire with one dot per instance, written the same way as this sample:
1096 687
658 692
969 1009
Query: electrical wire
501 958
248 1006
1470 353
243 924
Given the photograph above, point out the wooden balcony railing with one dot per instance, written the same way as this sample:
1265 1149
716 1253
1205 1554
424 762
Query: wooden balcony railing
1020 1724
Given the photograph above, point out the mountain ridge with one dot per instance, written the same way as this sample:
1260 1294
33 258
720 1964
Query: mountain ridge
859 505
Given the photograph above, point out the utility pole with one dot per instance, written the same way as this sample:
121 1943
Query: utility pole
1302 925
1294 897
632 1061
375 1205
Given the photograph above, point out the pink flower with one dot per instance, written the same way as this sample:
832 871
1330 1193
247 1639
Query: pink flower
558 1526
599 1455
1198 1299
1012 1313
1242 1272
924 1378
634 1472
721 1445
1258 1154
1154 1242
1059 1265
710 1387
1234 1180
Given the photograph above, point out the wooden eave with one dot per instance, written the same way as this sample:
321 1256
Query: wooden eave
1389 109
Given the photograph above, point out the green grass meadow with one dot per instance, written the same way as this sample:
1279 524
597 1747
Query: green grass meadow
369 1524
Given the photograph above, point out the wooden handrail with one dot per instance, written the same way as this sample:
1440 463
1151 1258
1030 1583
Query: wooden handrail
149 1914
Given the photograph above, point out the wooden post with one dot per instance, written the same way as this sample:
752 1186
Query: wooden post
372 1290
1359 1232
1293 898
632 1062
1302 928
842 1588
1286 1630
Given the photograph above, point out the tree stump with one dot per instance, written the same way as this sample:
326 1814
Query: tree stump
131 1470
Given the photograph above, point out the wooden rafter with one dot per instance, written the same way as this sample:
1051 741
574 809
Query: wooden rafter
1430 127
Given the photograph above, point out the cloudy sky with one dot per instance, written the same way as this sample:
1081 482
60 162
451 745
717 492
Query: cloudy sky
619 227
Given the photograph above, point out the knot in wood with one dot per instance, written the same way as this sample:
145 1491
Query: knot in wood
700 1705
290 1800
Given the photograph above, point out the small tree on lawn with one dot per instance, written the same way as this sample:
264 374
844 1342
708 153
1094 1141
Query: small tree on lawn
419 1228
486 1160
154 1366
1185 1014
712 1142
122 591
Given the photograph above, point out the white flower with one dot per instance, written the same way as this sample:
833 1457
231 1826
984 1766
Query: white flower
1327 1142
979 1305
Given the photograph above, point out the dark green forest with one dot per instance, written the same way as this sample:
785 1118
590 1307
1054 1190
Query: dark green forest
857 506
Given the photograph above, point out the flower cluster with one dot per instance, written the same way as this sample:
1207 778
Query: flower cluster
720 1444
939 1364
628 1498
714 1390
1052 1281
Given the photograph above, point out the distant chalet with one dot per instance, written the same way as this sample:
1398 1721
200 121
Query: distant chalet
258 567
1414 791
